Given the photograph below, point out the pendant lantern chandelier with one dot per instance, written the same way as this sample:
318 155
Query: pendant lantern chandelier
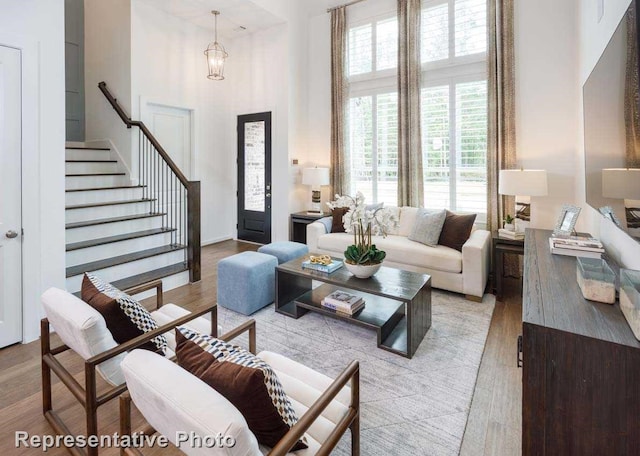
216 55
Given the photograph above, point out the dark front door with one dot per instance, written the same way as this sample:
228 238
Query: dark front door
254 177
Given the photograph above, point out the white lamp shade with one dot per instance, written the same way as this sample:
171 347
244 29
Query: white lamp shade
315 176
523 182
621 183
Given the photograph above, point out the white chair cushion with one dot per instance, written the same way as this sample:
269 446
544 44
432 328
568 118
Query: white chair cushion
83 329
172 400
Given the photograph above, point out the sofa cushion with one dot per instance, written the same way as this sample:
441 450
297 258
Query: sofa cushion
337 213
428 227
407 220
126 318
456 230
401 250
247 381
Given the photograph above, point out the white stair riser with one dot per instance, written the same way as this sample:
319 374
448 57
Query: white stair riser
168 283
103 196
87 154
112 229
74 182
101 252
100 212
86 167
129 269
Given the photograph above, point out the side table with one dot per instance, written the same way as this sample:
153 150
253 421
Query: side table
500 247
298 225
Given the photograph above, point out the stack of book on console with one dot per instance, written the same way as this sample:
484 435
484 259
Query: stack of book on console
328 268
513 235
582 245
344 302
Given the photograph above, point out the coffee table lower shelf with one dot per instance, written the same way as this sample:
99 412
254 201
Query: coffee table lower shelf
387 316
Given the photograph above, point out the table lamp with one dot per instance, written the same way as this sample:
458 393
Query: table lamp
621 183
523 182
315 177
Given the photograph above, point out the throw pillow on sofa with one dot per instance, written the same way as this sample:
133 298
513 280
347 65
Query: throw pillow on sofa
125 317
248 382
338 213
428 227
456 230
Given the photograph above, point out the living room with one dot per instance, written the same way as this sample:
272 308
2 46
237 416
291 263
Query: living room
449 382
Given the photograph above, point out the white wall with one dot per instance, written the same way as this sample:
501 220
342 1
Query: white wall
37 28
547 100
108 58
594 37
168 67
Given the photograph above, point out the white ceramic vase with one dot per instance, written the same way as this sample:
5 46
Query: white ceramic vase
363 271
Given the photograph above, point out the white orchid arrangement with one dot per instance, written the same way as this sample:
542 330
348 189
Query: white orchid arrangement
364 223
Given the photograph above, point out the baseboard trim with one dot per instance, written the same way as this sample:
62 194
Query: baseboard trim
216 240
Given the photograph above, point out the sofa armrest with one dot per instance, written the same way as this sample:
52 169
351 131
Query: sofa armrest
314 231
476 260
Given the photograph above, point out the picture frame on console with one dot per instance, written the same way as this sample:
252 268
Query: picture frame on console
609 214
567 221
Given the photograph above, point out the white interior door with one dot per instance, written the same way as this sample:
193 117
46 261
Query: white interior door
172 128
10 198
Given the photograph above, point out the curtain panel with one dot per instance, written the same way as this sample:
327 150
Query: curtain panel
410 174
631 113
339 98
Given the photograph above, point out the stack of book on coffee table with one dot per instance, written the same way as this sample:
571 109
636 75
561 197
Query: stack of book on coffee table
328 268
582 245
343 301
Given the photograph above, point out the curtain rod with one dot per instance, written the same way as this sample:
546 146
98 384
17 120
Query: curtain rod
346 4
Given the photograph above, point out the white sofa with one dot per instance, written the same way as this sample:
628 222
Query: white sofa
463 272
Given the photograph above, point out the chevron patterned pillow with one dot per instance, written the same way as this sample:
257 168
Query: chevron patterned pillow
248 382
126 318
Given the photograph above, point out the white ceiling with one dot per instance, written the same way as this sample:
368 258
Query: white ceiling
234 14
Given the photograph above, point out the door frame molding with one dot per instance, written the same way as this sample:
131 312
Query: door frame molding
30 184
145 116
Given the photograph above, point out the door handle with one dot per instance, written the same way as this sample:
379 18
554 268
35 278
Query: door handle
268 195
11 234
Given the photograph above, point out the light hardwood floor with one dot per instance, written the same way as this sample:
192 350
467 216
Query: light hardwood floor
494 425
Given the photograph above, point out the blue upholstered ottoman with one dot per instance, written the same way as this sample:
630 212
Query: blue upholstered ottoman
246 281
285 251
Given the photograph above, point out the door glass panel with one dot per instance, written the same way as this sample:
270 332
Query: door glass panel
254 166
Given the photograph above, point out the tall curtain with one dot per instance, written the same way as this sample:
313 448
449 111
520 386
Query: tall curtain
410 175
339 154
501 134
631 97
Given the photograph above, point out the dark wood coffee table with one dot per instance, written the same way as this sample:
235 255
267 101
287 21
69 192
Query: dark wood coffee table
397 302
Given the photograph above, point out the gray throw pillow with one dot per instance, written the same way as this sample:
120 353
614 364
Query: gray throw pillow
428 227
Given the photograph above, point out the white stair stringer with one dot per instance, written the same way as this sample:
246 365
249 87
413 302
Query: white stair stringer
99 183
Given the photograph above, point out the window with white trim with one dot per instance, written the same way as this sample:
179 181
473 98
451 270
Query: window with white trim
454 106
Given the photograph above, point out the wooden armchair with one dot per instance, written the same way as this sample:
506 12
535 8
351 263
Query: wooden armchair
174 401
83 330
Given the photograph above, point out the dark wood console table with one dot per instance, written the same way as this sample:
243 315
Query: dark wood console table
581 364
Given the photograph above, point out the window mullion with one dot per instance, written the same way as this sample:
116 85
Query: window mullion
452 31
374 147
453 147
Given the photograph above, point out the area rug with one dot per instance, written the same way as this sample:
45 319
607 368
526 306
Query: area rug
412 407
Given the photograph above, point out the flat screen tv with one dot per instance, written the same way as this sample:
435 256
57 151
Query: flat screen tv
612 129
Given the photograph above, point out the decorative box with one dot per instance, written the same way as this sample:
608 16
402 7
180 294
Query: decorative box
630 299
596 279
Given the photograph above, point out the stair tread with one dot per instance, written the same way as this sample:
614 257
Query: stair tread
86 148
110 203
112 220
122 259
93 189
91 161
94 174
146 277
118 238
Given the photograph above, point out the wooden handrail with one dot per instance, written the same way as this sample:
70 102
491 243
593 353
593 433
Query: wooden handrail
143 128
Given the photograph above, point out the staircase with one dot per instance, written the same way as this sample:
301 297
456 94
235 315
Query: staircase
115 229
